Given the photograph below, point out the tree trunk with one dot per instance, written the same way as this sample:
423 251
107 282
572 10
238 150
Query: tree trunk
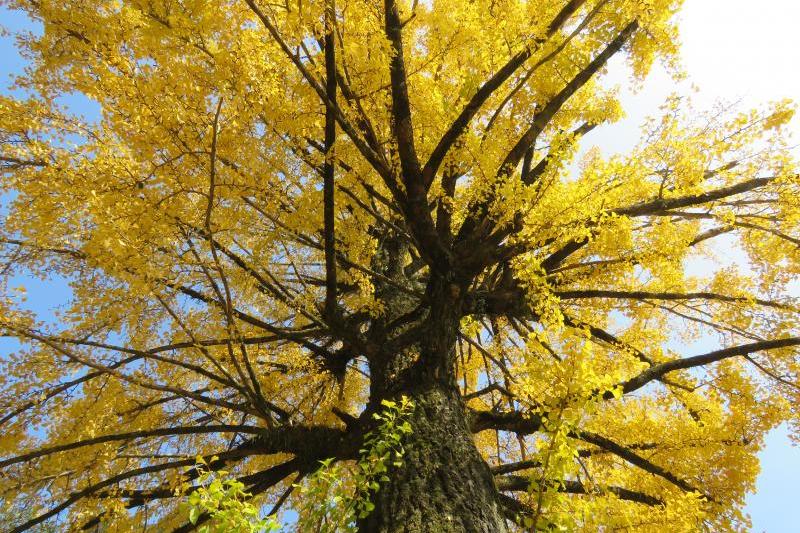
443 485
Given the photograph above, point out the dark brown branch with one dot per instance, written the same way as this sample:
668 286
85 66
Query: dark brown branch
306 442
473 229
512 421
415 207
63 387
139 497
77 254
700 360
486 390
329 214
522 484
543 117
91 489
644 295
402 124
20 163
655 206
635 459
515 467
375 159
161 432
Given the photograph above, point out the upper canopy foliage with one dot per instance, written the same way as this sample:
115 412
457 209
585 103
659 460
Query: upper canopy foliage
270 196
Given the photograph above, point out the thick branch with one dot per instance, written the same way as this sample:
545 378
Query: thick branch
161 432
514 422
543 117
415 207
522 484
658 371
375 159
328 167
644 295
634 459
302 441
91 489
402 124
477 225
655 206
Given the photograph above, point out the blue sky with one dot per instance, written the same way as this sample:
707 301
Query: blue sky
732 50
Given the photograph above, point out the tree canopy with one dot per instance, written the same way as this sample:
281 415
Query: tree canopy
290 212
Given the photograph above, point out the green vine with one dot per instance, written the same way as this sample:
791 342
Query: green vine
336 497
226 503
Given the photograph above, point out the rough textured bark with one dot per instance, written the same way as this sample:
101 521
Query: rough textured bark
444 485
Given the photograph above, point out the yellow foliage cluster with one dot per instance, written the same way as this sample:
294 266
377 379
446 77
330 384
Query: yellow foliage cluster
187 219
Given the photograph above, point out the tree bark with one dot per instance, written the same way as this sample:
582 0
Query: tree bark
443 485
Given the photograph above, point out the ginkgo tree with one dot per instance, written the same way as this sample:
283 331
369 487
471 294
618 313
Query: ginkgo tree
291 213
